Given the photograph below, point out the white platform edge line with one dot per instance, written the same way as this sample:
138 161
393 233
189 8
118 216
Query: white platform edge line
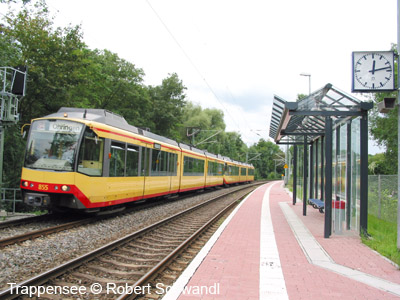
328 263
176 289
272 282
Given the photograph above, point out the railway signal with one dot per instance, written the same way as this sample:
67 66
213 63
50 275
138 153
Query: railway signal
13 83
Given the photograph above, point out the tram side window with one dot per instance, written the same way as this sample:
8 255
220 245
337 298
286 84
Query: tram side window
193 166
117 161
235 171
243 171
214 168
132 160
210 168
220 170
232 170
90 161
159 163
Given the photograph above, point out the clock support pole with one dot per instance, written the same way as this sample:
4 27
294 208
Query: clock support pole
398 125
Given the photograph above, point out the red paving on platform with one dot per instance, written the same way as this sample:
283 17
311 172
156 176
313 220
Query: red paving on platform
231 270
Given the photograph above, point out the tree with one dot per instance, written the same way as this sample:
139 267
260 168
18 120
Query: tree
202 124
168 102
53 58
113 84
383 128
301 97
27 38
377 164
62 71
265 165
384 131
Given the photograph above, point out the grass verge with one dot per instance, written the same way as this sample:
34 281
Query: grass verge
383 238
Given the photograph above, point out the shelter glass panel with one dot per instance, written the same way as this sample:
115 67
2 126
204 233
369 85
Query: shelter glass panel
339 204
320 175
335 182
355 174
300 167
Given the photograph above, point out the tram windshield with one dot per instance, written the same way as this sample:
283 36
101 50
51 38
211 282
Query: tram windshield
52 145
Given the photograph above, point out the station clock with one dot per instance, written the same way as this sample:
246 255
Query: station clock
373 71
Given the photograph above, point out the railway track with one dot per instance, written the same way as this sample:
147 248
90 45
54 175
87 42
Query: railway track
23 221
24 234
133 261
28 234
42 232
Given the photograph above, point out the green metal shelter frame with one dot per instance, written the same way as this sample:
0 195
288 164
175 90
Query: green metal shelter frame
314 119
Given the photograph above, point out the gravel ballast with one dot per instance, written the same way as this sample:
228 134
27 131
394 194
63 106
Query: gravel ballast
21 261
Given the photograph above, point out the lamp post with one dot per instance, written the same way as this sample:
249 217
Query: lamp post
309 81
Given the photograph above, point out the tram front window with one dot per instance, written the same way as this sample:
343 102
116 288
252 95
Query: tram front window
52 145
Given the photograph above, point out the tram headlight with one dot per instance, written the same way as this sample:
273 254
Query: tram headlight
65 188
25 183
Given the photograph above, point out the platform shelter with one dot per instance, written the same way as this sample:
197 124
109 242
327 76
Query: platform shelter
329 134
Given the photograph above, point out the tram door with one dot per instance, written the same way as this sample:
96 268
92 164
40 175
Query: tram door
144 165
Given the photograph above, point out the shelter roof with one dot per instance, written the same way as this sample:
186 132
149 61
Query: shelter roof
291 121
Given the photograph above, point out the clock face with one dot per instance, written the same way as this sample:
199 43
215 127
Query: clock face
373 71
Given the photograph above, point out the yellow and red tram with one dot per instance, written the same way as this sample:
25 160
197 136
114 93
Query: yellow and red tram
92 159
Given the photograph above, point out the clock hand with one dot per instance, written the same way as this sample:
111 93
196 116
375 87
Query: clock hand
374 70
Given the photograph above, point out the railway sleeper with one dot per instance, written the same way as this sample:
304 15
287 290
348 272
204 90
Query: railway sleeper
155 248
172 237
115 272
168 276
150 241
44 296
123 265
165 245
56 282
130 258
176 269
101 280
178 231
137 252
152 296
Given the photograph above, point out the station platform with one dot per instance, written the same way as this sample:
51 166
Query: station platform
266 249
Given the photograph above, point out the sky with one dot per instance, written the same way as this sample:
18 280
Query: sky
235 55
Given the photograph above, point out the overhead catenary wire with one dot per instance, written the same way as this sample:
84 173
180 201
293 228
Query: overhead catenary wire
192 63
